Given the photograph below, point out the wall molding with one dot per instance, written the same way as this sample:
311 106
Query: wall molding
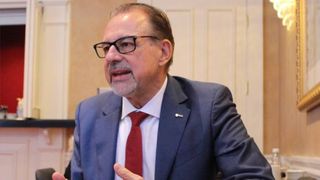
24 150
54 2
47 59
311 165
12 154
12 4
12 16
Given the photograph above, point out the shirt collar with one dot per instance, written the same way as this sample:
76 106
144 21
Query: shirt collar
153 107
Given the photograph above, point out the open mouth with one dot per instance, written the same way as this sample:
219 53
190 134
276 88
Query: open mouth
120 74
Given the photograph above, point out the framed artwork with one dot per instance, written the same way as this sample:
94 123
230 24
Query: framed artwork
308 54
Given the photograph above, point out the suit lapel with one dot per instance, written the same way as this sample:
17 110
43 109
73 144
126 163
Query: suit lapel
106 137
173 119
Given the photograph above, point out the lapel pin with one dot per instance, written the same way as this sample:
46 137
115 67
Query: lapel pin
178 115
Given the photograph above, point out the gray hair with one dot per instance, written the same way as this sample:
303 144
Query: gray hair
158 19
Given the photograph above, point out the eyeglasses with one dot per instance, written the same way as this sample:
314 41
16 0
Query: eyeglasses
123 45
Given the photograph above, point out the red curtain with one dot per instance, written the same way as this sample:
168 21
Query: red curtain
11 65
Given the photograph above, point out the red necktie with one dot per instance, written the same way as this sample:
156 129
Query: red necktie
134 143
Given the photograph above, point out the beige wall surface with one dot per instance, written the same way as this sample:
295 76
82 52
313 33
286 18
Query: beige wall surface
294 132
88 19
272 26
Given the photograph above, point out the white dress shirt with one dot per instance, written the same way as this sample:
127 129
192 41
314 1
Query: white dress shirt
149 131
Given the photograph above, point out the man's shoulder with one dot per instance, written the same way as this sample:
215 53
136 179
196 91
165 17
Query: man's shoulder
198 85
100 99
201 91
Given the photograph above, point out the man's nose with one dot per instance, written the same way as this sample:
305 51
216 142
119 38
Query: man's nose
112 54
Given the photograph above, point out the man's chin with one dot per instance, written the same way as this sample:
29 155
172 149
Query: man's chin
123 91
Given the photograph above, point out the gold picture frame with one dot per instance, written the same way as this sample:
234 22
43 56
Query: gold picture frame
308 93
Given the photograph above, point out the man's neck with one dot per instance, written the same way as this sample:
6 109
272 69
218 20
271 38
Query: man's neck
138 100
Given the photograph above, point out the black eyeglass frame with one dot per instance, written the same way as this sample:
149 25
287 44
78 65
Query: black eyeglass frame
114 43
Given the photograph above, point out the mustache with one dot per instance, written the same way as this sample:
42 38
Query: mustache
118 65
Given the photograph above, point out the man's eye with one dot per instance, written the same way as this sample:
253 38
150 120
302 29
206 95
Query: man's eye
106 48
125 44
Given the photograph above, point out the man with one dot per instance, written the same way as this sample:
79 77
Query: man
192 129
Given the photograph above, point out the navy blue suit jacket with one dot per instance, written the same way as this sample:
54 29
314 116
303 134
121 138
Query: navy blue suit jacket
210 136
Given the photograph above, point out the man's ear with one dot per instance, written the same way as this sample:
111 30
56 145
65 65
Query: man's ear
166 52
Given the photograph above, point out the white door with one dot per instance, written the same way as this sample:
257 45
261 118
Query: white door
221 41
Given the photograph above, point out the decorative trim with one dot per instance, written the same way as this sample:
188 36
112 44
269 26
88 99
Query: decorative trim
29 151
53 2
12 16
307 99
12 4
311 165
311 99
29 84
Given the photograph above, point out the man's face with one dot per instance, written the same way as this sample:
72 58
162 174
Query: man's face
139 72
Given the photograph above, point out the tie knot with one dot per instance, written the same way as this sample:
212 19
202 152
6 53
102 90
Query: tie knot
137 117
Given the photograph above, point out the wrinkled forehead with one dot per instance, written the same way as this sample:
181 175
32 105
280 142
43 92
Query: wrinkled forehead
133 22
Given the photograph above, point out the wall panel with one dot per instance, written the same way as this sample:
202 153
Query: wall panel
221 47
184 40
